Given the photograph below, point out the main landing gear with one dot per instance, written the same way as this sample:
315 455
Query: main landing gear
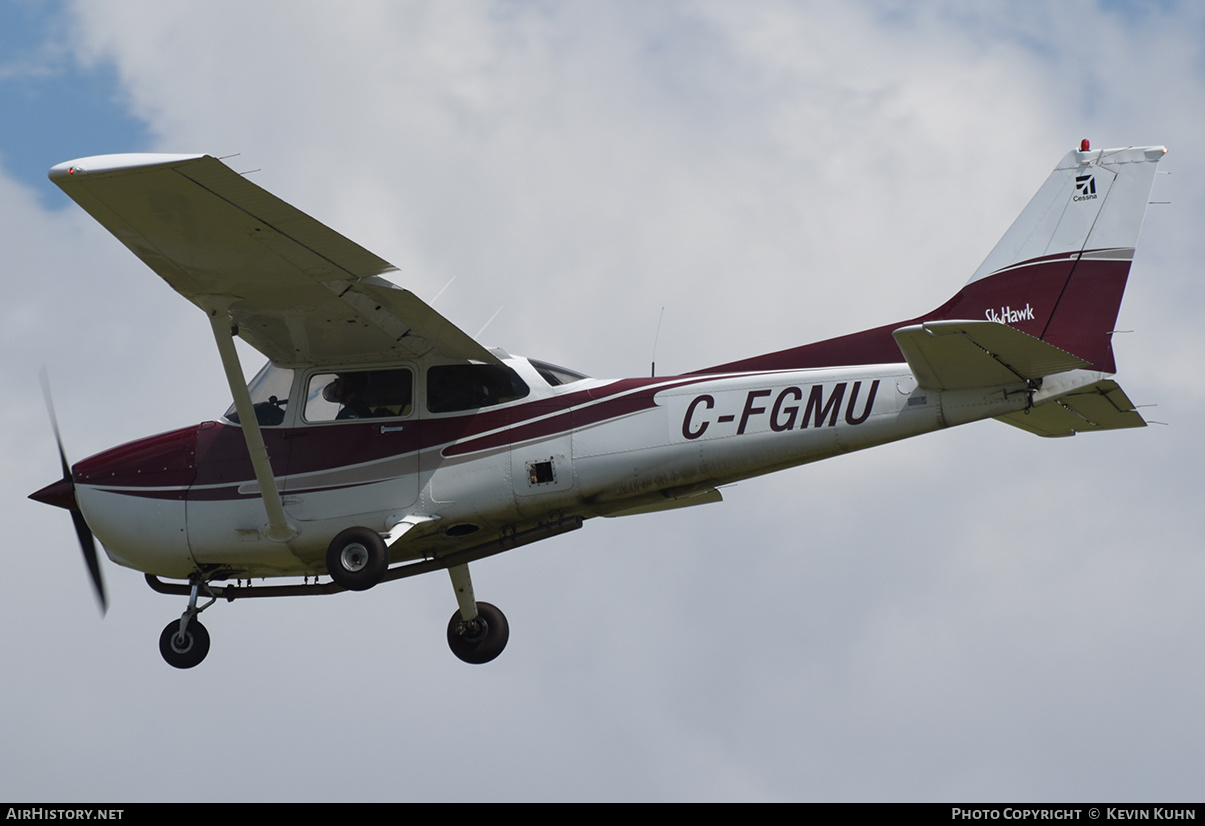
185 642
357 559
477 632
481 639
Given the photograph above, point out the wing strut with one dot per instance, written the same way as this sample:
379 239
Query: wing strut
279 527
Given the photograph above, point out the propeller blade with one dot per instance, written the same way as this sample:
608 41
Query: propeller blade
88 545
83 533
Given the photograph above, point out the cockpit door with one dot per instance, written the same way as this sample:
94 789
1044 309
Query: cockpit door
354 448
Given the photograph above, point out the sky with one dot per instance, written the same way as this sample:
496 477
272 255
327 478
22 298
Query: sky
976 614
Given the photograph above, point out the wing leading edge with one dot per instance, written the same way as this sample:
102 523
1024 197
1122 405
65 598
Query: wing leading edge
299 292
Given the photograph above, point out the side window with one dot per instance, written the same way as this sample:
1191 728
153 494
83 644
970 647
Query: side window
359 394
452 387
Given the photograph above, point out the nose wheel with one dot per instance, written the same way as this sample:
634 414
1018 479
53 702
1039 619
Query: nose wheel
184 649
185 642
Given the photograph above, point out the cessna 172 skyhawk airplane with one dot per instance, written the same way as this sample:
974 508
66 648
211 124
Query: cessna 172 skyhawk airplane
380 441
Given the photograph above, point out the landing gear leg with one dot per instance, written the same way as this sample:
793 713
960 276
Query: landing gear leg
185 642
477 632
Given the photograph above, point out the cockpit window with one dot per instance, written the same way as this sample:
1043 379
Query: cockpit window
452 387
556 376
269 394
359 394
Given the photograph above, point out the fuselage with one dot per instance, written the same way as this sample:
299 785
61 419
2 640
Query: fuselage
550 446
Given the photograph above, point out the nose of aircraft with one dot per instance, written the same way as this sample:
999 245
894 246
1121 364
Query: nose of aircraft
61 494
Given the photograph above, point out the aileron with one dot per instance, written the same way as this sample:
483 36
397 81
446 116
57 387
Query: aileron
298 291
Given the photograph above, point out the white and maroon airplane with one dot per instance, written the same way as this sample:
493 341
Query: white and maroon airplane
380 441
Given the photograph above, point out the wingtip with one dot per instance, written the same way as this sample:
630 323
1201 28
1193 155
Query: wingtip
113 164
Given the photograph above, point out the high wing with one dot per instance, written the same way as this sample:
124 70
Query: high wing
298 291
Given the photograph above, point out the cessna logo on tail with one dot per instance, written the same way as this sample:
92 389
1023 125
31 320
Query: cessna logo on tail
1085 188
1007 315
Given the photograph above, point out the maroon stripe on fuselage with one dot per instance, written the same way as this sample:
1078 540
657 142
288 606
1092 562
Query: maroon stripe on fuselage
209 461
619 398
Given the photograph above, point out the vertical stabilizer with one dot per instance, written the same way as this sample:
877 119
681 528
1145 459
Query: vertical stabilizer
1059 272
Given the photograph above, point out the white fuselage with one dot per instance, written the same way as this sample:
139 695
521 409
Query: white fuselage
585 448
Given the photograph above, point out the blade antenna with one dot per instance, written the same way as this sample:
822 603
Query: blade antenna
488 323
443 289
655 339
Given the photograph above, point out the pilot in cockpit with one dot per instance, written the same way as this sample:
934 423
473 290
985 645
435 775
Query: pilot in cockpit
371 394
347 390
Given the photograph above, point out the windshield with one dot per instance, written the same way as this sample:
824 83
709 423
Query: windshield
269 394
556 376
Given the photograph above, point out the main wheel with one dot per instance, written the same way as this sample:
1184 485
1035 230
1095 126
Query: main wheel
482 639
357 559
187 650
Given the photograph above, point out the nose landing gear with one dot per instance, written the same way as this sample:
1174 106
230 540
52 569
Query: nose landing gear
185 642
184 649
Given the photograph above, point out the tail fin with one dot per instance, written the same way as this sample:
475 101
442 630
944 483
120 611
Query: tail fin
1059 272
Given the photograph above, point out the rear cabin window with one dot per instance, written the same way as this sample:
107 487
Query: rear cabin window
453 387
359 394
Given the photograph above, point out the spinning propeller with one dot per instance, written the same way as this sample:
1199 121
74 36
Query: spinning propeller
62 494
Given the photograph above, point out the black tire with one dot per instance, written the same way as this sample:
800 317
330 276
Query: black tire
481 644
186 652
357 559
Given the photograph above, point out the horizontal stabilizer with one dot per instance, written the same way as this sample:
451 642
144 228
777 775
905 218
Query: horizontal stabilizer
954 355
1100 406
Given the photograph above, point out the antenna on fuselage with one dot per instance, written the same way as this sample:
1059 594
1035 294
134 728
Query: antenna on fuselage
442 289
653 372
486 324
